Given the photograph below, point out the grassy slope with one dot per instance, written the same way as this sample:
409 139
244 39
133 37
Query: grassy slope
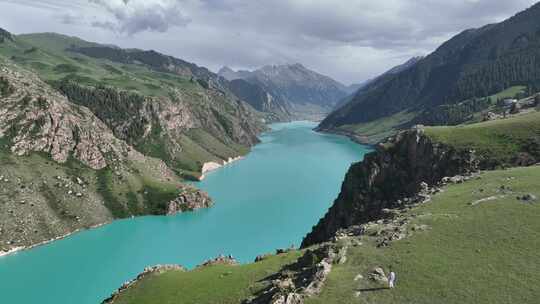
508 93
486 253
497 139
208 285
377 130
46 55
50 210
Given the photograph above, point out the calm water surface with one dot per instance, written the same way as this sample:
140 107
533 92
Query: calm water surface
269 200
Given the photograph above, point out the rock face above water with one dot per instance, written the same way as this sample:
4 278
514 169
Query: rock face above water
189 199
36 118
63 169
397 170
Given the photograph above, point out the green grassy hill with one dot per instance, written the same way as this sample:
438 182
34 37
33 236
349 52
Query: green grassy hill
503 141
473 241
464 253
475 63
164 107
486 253
224 284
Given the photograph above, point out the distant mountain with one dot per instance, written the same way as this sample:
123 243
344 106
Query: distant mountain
261 100
475 63
163 106
355 89
5 35
296 87
405 66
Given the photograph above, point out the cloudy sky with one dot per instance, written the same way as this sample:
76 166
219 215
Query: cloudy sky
350 40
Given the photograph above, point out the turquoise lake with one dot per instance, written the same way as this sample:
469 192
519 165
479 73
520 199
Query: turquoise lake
268 200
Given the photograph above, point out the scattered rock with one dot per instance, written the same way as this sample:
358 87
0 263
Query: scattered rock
358 277
527 197
262 257
189 199
220 260
378 275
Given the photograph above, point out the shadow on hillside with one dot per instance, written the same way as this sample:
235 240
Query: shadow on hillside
372 289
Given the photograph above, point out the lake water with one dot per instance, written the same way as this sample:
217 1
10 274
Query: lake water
268 200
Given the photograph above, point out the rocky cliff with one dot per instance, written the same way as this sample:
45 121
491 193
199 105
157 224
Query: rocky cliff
388 178
162 106
63 169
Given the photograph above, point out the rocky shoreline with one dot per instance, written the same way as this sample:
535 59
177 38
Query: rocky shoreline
23 248
190 199
359 139
212 166
395 171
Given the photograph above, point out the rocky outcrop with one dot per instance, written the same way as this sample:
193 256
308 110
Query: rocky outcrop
36 118
302 279
64 170
212 166
172 128
389 177
189 199
154 270
220 260
5 35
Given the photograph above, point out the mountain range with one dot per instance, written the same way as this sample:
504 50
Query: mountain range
444 87
90 133
291 88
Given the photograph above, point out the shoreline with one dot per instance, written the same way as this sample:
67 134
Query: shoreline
359 139
207 167
18 249
213 166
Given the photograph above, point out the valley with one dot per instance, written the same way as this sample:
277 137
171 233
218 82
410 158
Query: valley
130 174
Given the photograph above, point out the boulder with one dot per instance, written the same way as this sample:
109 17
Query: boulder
378 275
527 197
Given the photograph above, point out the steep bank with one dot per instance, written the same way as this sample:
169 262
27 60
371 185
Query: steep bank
161 106
387 177
442 247
64 170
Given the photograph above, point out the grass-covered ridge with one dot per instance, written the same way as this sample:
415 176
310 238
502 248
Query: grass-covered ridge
467 251
483 253
156 103
500 141
224 284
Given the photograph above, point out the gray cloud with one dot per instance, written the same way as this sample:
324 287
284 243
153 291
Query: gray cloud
68 18
134 16
349 40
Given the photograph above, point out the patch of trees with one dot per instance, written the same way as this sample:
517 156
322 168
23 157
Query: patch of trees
151 59
122 111
453 114
5 88
66 68
475 63
5 35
